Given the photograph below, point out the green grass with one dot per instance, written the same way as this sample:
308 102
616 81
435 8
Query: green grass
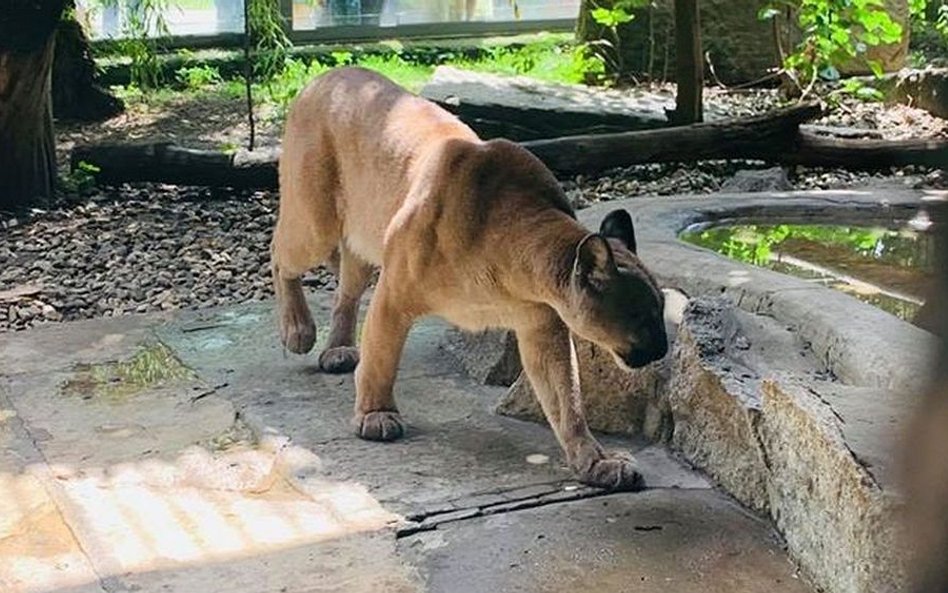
409 75
194 4
546 59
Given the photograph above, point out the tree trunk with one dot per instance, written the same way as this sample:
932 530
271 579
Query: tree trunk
76 93
587 29
27 147
688 64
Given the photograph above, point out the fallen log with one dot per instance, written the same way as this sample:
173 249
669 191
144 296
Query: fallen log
764 137
774 137
824 151
168 163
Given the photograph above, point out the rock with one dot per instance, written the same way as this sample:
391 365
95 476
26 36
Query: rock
829 494
615 400
925 89
50 313
758 180
489 357
714 413
522 108
815 455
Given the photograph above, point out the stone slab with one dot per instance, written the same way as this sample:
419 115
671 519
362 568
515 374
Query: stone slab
838 520
455 447
522 108
792 442
38 552
88 341
683 541
360 563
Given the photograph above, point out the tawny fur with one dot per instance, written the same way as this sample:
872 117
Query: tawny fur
478 233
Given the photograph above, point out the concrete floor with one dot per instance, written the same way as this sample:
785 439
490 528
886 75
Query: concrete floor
187 452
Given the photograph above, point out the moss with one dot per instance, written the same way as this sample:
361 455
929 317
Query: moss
151 366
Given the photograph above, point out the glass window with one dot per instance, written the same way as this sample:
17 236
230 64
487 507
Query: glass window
207 17
390 13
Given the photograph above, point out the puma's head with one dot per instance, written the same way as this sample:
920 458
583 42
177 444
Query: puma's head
613 300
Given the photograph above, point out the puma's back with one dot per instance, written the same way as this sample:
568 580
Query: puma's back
365 138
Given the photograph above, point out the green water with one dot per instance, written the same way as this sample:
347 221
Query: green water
891 269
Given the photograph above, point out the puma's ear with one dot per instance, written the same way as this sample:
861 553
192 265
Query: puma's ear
594 262
618 225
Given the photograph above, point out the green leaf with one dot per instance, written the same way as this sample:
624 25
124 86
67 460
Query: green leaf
868 93
601 15
611 17
767 13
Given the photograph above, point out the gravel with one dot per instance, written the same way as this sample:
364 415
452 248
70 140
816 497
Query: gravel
708 176
152 247
134 250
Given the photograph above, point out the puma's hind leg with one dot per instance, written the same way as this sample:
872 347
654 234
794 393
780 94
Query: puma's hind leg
341 354
297 329
306 233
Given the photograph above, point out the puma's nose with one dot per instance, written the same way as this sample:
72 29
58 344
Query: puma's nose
639 357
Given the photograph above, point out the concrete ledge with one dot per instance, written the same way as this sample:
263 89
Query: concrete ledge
839 521
715 403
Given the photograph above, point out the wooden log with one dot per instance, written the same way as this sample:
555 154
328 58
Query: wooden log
168 163
823 151
775 137
765 137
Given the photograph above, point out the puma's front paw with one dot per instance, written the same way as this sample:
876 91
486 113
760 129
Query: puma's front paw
297 331
616 471
341 359
380 426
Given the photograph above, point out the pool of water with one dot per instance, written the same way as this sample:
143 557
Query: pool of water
891 269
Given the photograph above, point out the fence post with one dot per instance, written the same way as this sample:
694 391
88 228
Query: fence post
286 9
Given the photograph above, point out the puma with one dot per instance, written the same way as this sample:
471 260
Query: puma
477 233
